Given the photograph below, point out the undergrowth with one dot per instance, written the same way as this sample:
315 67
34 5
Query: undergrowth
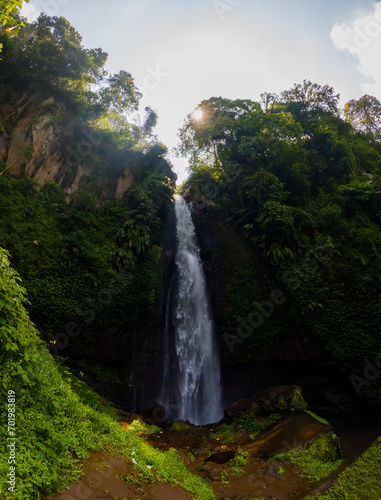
319 460
361 481
59 421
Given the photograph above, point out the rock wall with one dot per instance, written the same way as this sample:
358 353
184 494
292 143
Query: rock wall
45 142
223 250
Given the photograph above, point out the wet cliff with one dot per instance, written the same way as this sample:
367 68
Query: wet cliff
233 270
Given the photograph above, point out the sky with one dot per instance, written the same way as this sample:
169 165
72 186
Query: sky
181 52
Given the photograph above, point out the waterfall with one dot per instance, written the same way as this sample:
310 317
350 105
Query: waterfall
199 389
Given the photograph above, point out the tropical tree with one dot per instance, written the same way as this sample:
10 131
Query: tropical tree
7 16
364 114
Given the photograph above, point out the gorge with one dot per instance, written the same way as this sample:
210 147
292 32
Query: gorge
127 301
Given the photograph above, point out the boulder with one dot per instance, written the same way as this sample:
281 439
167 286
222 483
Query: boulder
154 416
279 399
221 457
298 430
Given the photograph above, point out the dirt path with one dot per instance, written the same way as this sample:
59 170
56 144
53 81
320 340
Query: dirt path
206 453
111 477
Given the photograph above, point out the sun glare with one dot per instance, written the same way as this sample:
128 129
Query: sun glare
197 115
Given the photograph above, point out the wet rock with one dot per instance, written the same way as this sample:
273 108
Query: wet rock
154 416
279 399
272 470
215 475
181 425
221 458
298 430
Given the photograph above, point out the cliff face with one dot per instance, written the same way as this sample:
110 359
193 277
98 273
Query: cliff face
35 141
46 142
224 252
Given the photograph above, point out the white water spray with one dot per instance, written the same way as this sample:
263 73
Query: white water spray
199 368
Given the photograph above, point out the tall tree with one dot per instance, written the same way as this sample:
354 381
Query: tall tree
364 114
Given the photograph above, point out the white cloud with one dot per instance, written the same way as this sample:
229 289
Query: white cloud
30 12
362 39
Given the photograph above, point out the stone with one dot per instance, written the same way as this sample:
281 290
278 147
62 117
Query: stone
221 458
154 416
298 430
278 399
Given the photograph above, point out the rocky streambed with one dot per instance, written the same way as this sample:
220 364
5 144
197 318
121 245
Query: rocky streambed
267 447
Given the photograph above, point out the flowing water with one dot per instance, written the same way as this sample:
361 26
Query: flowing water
199 388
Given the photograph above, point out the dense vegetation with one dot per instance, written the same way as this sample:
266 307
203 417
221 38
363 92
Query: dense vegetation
82 256
7 9
300 180
79 262
296 177
361 480
59 421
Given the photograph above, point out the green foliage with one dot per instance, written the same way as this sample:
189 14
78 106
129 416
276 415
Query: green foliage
294 402
303 186
71 255
227 434
316 417
55 429
231 433
225 478
361 480
364 114
179 426
320 459
255 425
142 428
241 459
8 9
48 57
246 295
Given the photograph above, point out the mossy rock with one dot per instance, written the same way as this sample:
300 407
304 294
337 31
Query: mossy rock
279 400
326 446
320 457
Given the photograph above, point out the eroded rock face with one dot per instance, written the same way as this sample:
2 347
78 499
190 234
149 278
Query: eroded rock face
36 143
47 142
297 430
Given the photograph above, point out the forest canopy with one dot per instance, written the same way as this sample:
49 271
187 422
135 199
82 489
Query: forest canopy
293 173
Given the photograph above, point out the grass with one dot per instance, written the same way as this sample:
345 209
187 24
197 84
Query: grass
57 431
361 481
319 460
180 426
59 420
241 459
142 428
231 433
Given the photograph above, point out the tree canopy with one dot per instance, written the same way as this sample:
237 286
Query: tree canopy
293 173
